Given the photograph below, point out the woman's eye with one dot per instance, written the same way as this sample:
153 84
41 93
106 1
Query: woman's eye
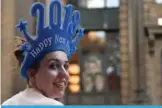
66 67
52 66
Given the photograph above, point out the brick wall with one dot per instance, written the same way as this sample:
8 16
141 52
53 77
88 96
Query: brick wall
128 79
153 68
152 12
153 63
124 51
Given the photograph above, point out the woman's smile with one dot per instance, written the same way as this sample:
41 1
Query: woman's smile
60 85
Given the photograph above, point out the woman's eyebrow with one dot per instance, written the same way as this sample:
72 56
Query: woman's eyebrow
57 60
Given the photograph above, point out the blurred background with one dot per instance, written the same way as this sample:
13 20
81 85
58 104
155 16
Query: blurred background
118 61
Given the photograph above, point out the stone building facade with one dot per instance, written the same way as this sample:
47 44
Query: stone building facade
140 57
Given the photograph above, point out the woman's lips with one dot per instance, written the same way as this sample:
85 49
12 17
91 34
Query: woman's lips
60 85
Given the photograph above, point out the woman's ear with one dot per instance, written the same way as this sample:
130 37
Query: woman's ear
31 72
31 76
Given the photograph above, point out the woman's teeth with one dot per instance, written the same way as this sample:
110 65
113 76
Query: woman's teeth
61 85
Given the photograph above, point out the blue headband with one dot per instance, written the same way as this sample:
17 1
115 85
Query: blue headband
52 37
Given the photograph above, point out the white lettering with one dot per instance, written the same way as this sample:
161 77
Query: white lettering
37 50
41 45
68 47
50 40
32 53
56 38
45 43
63 40
59 39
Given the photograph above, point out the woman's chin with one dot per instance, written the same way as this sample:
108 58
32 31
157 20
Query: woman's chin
58 95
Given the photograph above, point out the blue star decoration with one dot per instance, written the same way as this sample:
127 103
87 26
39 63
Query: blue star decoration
21 25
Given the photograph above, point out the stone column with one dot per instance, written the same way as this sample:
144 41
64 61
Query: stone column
124 51
8 63
137 43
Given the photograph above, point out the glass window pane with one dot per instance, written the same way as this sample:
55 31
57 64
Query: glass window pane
99 82
93 78
158 1
97 37
112 3
91 3
82 3
99 3
113 61
95 3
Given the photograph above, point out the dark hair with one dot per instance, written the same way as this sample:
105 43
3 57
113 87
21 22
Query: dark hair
20 57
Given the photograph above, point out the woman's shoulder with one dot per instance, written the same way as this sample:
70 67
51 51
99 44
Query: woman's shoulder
48 101
12 100
36 98
31 97
15 100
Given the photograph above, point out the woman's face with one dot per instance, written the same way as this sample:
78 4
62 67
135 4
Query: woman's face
52 76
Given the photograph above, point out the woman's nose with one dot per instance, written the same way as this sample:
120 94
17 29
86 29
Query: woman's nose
64 73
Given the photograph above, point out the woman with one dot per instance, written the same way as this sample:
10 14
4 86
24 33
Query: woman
46 56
